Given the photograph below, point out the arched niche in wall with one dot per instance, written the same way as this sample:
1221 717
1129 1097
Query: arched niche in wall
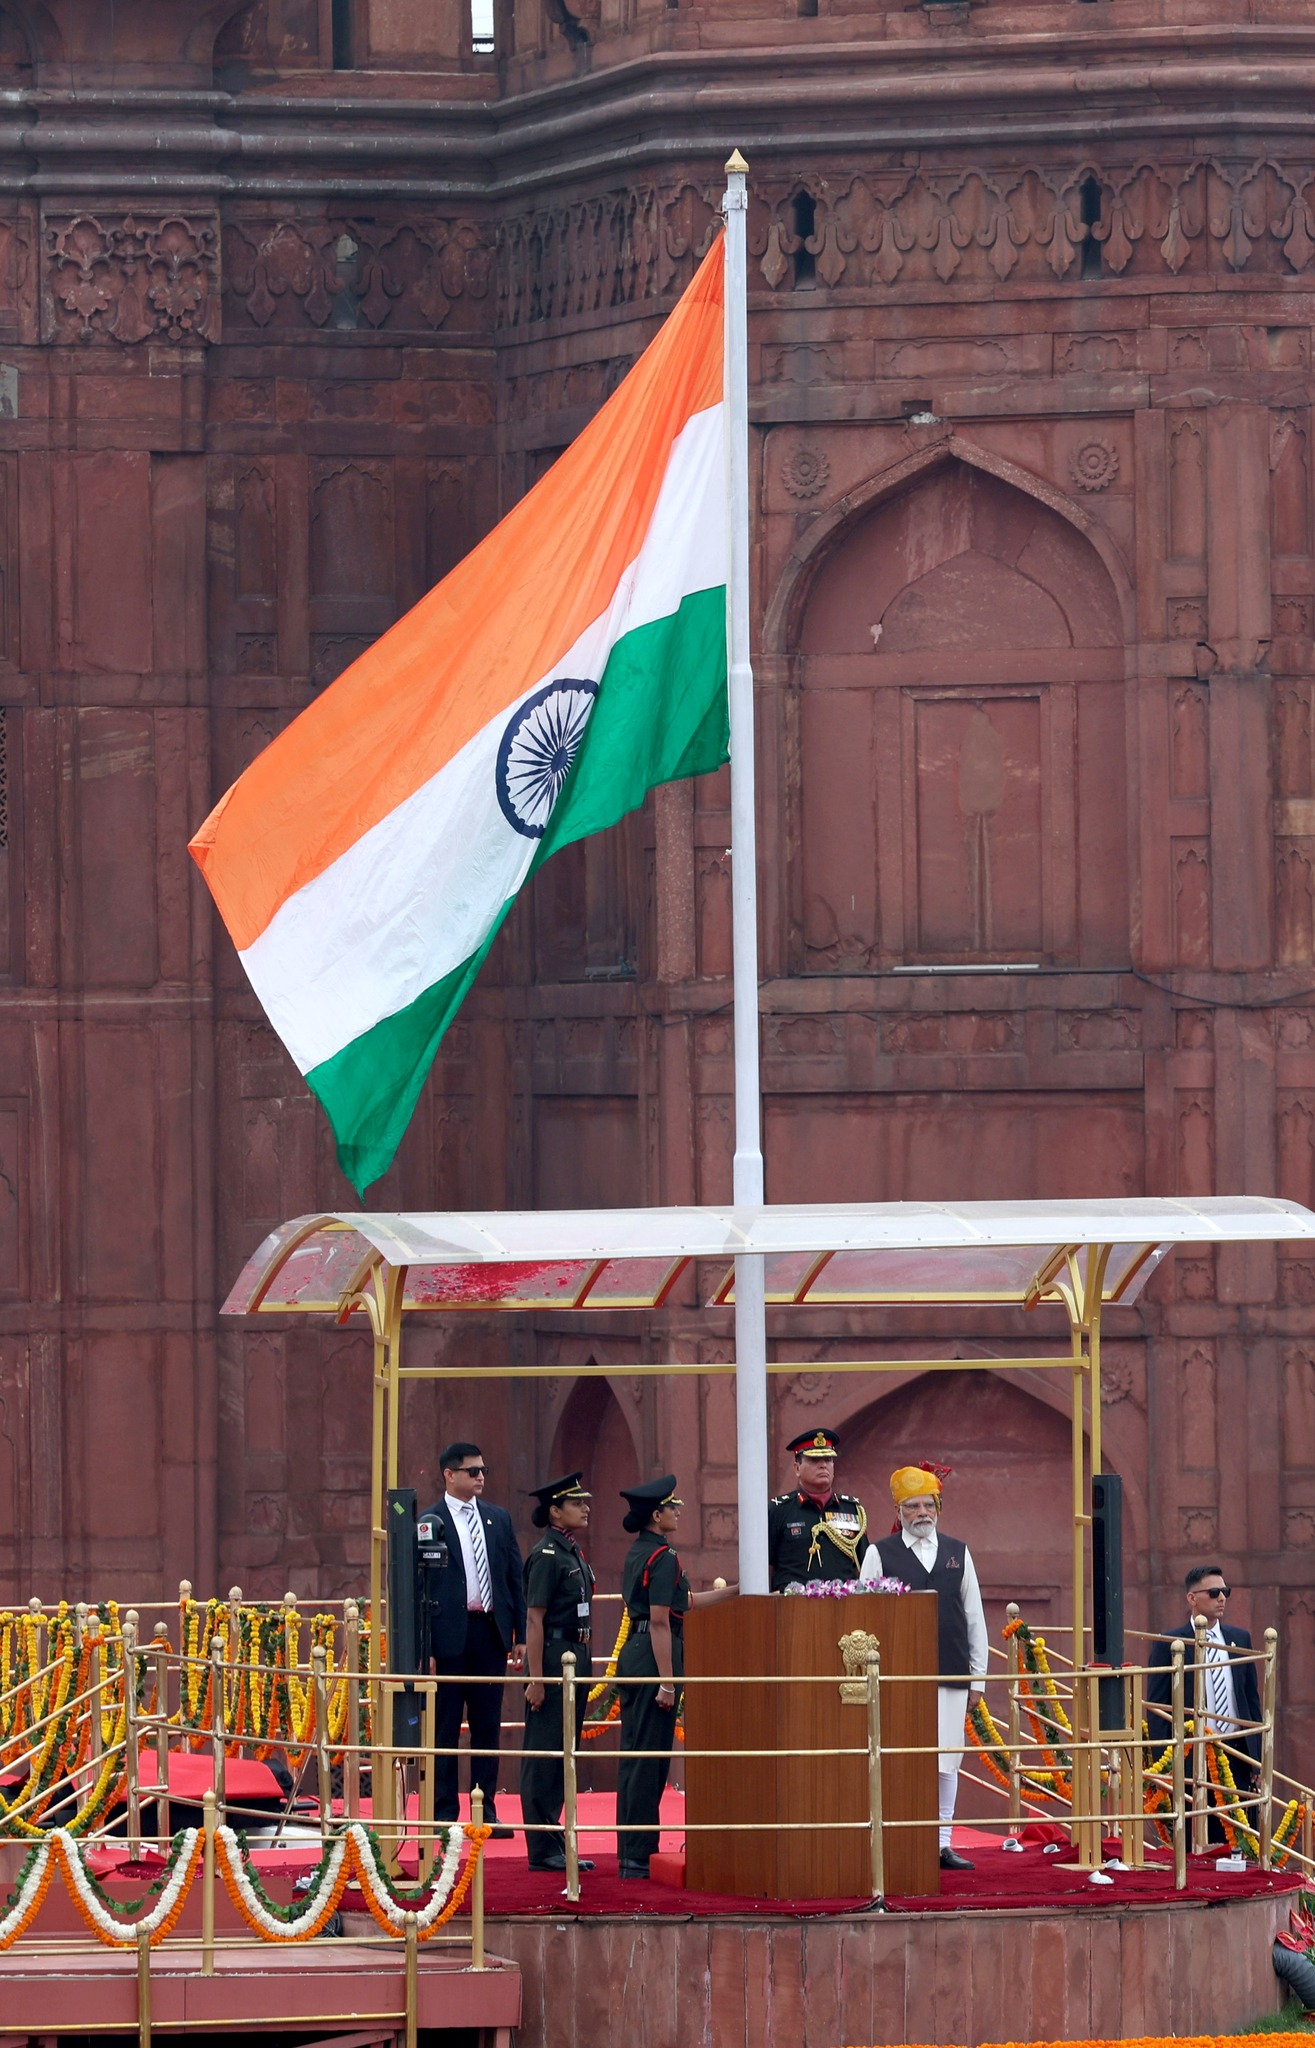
959 659
1009 1497
594 1435
15 52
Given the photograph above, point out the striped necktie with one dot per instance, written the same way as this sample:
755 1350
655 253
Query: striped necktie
1216 1682
481 1556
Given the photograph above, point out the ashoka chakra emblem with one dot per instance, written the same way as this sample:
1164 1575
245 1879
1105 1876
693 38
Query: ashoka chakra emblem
537 750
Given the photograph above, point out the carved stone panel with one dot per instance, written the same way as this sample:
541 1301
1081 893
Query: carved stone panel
1289 462
109 276
404 275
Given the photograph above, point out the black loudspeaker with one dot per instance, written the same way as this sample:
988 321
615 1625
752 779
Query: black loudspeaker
403 1611
1107 1590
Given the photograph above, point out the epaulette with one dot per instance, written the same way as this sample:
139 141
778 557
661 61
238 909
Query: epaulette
548 1551
778 1499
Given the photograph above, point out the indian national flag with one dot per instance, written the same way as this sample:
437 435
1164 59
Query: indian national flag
366 859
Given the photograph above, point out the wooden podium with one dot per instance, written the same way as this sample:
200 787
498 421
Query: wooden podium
774 1635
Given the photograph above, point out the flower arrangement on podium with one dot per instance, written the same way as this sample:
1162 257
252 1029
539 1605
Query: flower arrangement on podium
840 1589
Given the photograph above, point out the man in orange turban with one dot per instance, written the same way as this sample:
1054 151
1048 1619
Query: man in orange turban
929 1562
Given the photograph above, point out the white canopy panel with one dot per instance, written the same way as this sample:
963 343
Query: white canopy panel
818 1254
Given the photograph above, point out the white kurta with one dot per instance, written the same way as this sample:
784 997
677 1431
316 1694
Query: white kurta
951 1700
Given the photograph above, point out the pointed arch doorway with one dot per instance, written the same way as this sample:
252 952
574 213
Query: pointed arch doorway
960 667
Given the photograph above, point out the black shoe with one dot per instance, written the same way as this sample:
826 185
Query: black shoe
559 1864
952 1860
499 1833
634 1870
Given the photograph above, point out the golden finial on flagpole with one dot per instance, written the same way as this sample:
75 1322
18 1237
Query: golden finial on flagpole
735 162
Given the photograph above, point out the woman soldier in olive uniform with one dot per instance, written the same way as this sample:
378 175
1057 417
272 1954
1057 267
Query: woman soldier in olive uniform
559 1589
657 1595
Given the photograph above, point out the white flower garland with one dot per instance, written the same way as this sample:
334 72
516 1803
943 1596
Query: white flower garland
12 1923
124 1933
355 1841
253 1905
373 1878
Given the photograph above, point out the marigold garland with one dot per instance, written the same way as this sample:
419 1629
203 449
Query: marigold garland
986 1738
108 1918
1155 2041
353 1853
29 1894
302 1920
1040 1700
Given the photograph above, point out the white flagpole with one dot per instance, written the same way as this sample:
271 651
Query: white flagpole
750 1311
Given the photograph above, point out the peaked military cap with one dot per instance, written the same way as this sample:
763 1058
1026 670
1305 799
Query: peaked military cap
814 1443
645 1500
554 1493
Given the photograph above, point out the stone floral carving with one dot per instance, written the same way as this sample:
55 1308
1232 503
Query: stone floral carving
1094 466
1116 1380
131 278
805 471
400 274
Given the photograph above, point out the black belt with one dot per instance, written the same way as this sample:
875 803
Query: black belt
640 1628
567 1635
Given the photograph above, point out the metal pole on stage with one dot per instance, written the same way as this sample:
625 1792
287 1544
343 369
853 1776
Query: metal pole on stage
750 1310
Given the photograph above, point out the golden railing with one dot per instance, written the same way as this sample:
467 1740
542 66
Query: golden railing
90 1721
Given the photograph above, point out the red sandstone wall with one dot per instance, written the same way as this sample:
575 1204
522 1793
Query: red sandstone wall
257 396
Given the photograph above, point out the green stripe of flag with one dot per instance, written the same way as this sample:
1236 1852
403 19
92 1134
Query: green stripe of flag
661 715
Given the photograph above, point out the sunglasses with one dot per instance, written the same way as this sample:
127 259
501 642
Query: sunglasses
473 1471
1215 1592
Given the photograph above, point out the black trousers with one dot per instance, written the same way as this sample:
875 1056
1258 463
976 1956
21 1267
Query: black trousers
642 1780
483 1657
543 1775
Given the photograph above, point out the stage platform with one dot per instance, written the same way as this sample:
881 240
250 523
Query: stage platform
1022 1948
1019 1950
326 1988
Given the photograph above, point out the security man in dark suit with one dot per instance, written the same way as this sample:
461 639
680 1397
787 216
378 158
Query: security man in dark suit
559 1587
812 1531
1230 1688
474 1613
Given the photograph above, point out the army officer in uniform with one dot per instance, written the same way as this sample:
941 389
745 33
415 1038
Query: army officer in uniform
657 1596
812 1531
559 1588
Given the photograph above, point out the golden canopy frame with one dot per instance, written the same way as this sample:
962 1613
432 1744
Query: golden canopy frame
1081 1256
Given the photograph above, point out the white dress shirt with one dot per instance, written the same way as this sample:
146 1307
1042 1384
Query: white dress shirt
467 1538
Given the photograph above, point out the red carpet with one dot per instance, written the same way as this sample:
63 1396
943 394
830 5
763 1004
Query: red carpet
1022 1881
1032 1882
1026 1881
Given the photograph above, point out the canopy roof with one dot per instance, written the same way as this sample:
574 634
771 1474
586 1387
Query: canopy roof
817 1255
